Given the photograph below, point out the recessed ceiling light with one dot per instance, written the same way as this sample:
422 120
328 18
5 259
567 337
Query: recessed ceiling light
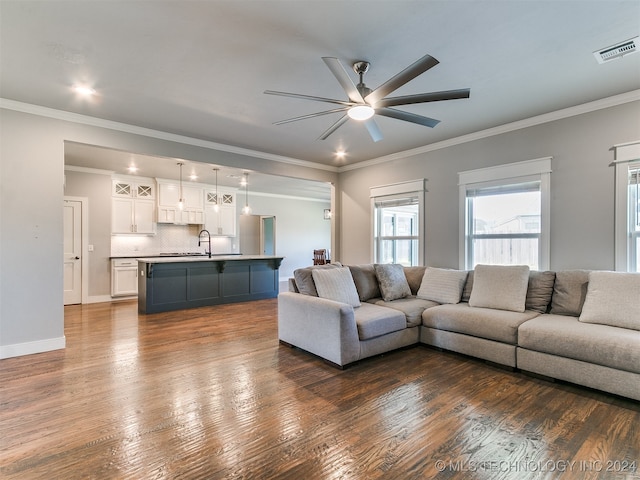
84 90
132 169
340 153
193 177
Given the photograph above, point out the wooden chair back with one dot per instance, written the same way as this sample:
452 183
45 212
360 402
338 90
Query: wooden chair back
320 256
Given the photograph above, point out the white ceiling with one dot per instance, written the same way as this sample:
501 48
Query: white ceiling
199 68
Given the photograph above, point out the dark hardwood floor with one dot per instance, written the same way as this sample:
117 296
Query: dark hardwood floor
209 393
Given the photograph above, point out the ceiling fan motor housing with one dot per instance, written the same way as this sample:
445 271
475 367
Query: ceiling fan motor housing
361 67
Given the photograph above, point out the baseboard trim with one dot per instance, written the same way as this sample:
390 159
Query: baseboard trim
99 298
29 348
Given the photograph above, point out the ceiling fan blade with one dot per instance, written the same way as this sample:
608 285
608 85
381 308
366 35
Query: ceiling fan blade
407 117
343 78
309 97
311 115
408 74
373 129
333 128
424 97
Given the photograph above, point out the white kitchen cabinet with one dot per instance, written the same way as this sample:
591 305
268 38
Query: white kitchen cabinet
135 187
124 277
130 215
132 206
222 221
168 198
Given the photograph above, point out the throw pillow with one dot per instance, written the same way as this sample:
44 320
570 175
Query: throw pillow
569 292
364 276
468 287
414 276
336 284
442 285
613 298
540 290
304 280
392 281
503 287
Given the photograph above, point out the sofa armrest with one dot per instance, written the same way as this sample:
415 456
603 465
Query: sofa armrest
323 327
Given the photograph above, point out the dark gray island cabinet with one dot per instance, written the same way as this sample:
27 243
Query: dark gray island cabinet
174 283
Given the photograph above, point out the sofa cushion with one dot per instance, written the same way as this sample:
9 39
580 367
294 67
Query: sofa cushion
414 276
566 336
442 285
392 281
411 306
502 287
499 325
336 284
304 279
364 276
540 290
374 320
613 298
569 292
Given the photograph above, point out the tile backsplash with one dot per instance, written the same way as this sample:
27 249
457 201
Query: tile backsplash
170 238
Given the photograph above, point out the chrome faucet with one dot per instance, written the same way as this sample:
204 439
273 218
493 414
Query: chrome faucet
208 239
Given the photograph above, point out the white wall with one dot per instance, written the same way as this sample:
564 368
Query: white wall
31 181
31 196
582 183
300 228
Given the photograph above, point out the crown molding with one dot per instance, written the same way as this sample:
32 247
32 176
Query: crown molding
147 132
628 97
96 171
288 197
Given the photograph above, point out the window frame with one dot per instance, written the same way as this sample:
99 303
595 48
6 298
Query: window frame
396 191
503 175
626 157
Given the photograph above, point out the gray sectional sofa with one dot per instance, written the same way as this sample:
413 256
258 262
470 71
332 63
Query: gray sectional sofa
579 326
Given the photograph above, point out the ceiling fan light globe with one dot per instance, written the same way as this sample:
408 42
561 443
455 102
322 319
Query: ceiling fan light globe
361 112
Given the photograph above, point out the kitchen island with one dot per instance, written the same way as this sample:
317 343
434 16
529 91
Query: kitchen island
174 283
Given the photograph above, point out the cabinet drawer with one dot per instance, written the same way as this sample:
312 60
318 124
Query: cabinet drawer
125 262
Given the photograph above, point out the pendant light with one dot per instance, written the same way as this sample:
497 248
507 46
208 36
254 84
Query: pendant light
180 200
216 207
247 209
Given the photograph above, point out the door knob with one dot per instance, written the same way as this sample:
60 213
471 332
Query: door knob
77 258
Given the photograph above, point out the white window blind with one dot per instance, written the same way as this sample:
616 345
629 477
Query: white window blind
398 230
504 215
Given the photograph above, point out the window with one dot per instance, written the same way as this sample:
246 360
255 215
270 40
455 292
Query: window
397 231
504 214
397 225
633 209
627 207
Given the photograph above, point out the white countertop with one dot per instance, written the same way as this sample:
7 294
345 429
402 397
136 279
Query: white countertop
205 258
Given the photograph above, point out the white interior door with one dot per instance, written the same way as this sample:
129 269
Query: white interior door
72 252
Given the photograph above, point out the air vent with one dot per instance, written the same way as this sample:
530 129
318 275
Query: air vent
617 51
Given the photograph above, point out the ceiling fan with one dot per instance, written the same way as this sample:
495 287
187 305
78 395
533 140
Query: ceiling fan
363 102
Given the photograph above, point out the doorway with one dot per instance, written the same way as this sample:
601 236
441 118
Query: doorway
73 259
268 235
257 234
